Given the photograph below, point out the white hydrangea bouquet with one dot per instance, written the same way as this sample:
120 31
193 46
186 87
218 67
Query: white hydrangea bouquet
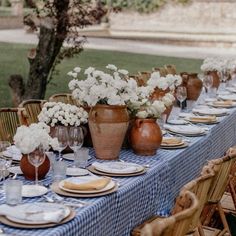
109 88
58 113
215 64
145 106
29 138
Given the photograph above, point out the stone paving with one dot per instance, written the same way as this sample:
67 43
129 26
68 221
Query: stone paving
123 45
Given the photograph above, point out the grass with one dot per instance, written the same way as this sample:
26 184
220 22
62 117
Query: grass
13 60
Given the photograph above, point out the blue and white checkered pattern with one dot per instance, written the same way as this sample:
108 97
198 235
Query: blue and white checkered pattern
142 196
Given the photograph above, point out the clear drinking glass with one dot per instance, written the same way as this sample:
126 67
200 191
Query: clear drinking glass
13 192
181 95
51 157
76 139
3 146
224 75
62 136
59 171
36 159
208 82
81 157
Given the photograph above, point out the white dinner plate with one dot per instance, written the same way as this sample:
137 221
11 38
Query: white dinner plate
177 122
33 190
186 129
36 211
71 157
211 111
15 170
73 171
222 105
13 152
228 97
85 179
231 89
118 167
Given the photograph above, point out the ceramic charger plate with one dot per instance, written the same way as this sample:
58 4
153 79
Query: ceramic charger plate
118 167
187 130
83 180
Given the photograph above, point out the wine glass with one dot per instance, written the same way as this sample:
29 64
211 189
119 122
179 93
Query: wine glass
181 95
76 139
224 75
3 146
207 82
36 159
62 136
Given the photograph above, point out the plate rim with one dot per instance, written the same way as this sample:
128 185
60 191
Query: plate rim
140 166
21 221
85 192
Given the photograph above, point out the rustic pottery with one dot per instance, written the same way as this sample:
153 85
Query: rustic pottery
29 170
145 137
193 85
216 78
108 125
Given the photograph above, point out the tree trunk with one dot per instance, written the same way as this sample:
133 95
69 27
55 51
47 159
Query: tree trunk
51 39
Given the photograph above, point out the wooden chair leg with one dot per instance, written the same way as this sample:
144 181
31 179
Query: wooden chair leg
207 214
200 230
232 191
223 218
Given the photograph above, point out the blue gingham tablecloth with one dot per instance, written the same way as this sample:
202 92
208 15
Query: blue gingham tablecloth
143 196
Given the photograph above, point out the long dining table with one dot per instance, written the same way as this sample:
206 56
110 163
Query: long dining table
140 197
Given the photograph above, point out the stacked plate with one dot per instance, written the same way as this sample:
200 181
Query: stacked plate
223 104
231 97
173 143
13 152
186 130
71 156
85 186
210 111
117 169
202 119
36 215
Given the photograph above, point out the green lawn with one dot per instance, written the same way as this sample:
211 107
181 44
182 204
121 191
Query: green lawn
13 60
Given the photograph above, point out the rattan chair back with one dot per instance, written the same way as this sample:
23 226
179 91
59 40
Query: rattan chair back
65 98
33 107
170 69
177 224
10 119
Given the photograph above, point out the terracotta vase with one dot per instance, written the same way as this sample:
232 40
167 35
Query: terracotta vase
158 94
194 86
108 125
216 78
145 137
29 170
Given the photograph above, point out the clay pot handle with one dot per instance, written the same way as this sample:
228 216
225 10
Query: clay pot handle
139 122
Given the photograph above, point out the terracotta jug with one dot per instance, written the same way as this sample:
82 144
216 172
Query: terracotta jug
29 170
216 78
108 125
145 137
193 85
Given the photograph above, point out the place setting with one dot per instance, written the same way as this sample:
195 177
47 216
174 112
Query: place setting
207 120
117 169
222 104
204 110
173 143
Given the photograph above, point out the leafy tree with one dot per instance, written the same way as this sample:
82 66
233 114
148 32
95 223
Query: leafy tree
58 23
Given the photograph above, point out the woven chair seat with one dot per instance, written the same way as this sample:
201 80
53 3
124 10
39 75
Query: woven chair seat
227 203
208 231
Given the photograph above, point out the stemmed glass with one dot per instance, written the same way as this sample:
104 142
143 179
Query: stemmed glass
181 95
207 82
5 164
76 139
36 159
224 75
62 136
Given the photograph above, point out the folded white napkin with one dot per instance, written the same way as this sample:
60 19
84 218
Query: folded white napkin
13 152
33 213
116 167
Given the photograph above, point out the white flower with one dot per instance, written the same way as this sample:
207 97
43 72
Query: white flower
111 67
89 70
77 69
72 74
123 72
27 139
142 114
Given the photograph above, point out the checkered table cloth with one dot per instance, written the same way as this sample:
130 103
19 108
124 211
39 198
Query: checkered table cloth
140 197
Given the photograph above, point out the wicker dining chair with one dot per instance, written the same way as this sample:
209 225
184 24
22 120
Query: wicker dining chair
222 167
170 69
144 75
33 107
65 98
177 224
200 187
10 119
